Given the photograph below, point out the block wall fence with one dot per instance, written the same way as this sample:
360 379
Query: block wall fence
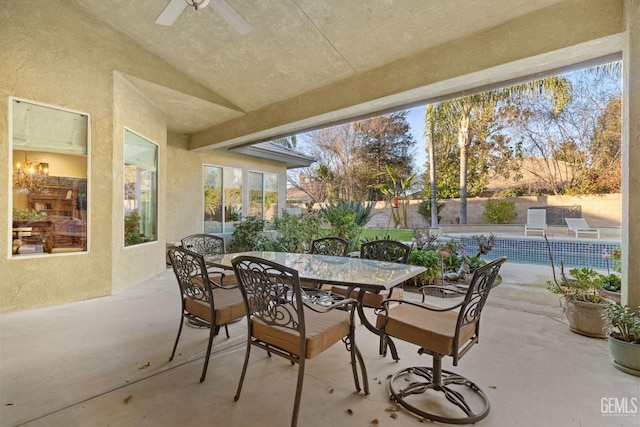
602 210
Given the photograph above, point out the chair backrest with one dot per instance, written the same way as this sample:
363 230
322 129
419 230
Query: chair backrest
271 293
577 223
385 250
537 217
191 272
204 244
330 246
473 304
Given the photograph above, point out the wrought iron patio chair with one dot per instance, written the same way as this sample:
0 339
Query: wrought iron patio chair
440 332
379 250
204 303
207 245
336 246
282 322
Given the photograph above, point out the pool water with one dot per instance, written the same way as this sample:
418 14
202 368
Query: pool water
573 253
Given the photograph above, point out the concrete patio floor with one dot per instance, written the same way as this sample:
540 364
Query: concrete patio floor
104 362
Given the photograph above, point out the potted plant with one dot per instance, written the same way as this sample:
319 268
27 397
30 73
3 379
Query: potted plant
624 337
582 301
611 283
581 298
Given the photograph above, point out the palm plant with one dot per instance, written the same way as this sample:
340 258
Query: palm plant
461 111
398 191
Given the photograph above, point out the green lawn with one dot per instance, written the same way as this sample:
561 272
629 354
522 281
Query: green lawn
376 233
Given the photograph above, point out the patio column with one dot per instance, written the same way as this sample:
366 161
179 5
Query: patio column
631 155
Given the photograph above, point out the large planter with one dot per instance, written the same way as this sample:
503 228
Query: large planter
613 296
587 318
626 356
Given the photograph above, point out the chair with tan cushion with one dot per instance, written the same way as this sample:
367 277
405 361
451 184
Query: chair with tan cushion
204 303
335 246
207 245
440 332
379 250
281 321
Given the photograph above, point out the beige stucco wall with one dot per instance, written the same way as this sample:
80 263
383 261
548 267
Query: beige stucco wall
184 188
55 54
134 264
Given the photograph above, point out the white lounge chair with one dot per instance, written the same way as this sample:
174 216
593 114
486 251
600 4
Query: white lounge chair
580 225
536 221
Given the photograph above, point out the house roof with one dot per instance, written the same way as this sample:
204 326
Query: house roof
307 64
272 151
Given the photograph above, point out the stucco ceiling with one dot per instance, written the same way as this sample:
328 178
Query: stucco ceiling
296 46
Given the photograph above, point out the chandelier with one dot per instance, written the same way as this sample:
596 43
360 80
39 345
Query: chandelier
29 175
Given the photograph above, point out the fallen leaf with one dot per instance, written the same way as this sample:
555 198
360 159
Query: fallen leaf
127 399
379 382
375 421
349 411
492 386
394 415
389 376
145 366
331 391
391 409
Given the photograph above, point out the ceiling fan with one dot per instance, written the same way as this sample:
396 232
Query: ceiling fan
174 8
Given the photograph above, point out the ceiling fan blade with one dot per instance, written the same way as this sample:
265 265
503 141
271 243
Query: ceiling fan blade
171 12
233 18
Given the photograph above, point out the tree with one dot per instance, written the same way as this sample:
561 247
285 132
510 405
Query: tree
578 150
351 158
463 110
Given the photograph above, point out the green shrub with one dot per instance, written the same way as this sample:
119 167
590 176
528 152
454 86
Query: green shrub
499 211
428 259
424 209
342 220
247 235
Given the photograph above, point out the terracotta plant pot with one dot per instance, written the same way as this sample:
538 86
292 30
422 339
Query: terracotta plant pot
587 318
626 356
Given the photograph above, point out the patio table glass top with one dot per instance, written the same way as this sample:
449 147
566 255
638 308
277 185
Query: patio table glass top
363 273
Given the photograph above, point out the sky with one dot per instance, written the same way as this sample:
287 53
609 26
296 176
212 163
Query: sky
416 122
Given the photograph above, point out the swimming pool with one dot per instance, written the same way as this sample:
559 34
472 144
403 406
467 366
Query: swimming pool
574 253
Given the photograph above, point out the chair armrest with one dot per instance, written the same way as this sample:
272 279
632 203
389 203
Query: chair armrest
444 290
221 284
343 303
385 305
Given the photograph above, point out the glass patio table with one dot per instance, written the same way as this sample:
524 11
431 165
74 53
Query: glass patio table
364 274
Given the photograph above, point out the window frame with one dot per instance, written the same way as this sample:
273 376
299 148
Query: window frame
224 223
11 100
156 188
264 192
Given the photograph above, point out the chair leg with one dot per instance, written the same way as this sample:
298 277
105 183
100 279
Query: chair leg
298 398
212 332
406 385
244 370
175 345
226 329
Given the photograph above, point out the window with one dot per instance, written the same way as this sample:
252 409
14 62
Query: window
222 209
263 195
49 148
140 190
